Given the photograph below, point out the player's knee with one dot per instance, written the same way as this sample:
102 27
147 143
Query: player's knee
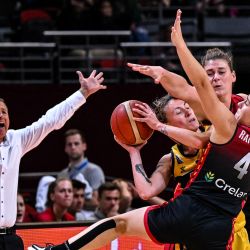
121 226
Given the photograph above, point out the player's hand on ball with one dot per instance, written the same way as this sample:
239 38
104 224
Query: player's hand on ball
147 115
130 148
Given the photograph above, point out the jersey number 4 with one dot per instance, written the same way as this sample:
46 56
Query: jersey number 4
242 166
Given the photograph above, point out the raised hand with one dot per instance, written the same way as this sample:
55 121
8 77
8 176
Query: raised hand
91 84
176 33
147 115
153 71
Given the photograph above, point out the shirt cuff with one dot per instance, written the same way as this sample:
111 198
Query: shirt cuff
76 100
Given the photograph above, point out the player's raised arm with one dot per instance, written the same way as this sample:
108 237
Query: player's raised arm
174 84
218 114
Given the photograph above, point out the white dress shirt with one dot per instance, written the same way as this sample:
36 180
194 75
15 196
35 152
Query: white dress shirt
19 142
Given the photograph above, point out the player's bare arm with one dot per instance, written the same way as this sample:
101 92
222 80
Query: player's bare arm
222 119
159 179
174 84
148 187
139 169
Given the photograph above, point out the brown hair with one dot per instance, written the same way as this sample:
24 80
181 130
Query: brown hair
52 187
216 53
159 107
110 186
75 132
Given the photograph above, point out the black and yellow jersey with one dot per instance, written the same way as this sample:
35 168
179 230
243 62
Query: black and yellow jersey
184 164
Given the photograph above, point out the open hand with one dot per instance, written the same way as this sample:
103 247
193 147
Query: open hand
176 33
153 71
91 84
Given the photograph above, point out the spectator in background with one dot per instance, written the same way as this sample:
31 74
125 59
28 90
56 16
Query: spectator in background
20 208
32 17
42 192
218 8
60 197
131 19
109 198
126 195
130 199
76 15
75 148
105 16
43 185
78 201
25 212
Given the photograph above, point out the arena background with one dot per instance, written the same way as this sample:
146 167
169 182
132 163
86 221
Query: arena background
27 101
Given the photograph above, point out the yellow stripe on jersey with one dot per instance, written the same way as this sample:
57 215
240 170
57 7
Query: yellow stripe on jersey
183 164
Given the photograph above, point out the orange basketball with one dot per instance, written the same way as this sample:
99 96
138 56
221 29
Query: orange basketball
127 130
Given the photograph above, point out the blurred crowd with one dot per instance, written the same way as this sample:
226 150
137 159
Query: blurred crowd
29 18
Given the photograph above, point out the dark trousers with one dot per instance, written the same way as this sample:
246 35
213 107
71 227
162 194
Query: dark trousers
11 242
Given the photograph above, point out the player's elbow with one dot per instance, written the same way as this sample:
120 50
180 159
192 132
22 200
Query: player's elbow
145 195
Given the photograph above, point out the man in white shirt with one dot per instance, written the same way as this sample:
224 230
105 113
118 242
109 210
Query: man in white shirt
16 143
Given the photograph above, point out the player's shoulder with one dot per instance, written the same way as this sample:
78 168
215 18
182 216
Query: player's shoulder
165 159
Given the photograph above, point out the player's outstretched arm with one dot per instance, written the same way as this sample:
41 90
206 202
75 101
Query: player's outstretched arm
147 187
174 84
222 119
91 84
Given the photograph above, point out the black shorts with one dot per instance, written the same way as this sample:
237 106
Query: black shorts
188 221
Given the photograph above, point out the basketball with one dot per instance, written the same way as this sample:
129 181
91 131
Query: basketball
127 130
